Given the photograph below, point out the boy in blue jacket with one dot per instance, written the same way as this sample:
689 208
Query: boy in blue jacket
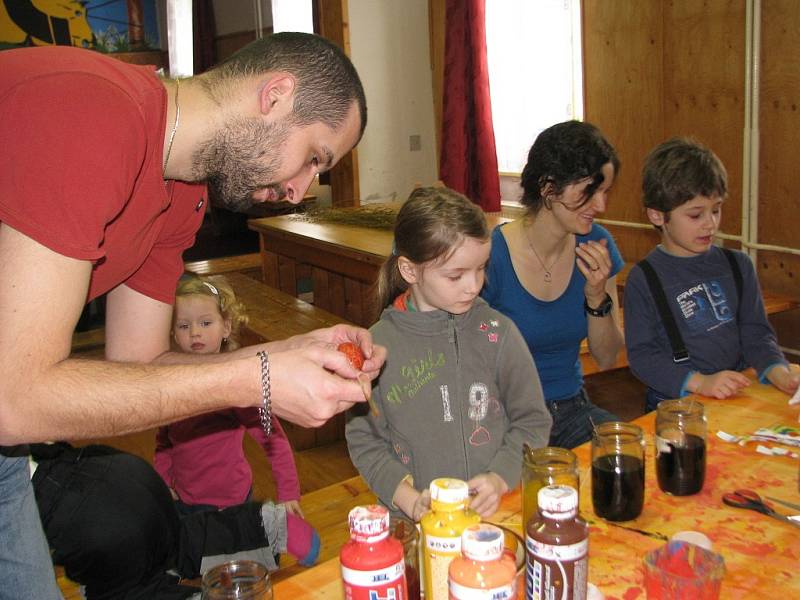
694 315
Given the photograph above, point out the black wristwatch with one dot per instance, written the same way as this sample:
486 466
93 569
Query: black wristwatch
602 310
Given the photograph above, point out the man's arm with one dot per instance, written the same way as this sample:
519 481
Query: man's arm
44 395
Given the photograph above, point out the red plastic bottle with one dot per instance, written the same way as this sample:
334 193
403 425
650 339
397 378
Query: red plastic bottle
372 561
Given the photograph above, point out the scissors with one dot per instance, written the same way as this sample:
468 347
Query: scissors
752 501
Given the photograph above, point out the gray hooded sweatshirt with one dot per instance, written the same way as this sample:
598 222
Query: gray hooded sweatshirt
457 397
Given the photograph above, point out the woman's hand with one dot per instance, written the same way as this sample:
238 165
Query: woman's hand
594 262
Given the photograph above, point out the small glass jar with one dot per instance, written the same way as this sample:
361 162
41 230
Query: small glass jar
237 580
407 533
617 471
681 432
542 467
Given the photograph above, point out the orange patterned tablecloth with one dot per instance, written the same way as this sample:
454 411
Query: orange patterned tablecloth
762 555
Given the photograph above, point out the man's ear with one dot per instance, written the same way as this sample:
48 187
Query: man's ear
277 94
408 270
656 217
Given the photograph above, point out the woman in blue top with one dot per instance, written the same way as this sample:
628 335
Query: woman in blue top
553 271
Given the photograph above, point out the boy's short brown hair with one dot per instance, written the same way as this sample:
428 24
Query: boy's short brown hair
681 169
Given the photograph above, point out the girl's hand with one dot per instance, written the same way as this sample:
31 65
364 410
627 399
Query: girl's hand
720 385
293 507
486 489
594 262
421 506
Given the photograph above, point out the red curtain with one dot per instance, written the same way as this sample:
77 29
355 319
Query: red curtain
468 160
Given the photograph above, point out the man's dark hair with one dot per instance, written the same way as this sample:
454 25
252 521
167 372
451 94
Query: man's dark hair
564 154
327 82
681 169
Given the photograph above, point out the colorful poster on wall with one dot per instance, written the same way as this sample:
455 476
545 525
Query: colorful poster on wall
104 25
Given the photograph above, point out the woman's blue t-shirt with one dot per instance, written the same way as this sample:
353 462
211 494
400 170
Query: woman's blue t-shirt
553 330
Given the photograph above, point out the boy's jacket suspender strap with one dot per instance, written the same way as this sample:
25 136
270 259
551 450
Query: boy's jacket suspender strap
679 352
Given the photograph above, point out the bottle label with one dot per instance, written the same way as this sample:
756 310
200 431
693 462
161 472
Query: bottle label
504 592
446 545
556 571
440 552
384 584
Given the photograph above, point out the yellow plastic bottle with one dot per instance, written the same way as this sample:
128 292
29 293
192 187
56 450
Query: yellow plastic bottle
442 527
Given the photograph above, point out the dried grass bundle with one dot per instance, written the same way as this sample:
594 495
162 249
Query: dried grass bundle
374 216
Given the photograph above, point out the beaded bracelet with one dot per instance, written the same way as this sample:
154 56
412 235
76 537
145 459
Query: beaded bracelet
265 410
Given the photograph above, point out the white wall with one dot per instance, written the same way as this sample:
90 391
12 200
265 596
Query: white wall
390 47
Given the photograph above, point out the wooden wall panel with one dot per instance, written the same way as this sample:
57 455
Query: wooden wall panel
779 121
623 91
436 24
704 84
334 24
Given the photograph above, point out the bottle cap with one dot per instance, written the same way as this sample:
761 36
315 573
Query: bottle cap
449 491
482 542
558 501
369 521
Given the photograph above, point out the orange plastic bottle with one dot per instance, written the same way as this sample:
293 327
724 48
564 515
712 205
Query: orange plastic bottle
484 571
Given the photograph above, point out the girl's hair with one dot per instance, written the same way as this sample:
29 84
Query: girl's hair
430 225
563 154
218 288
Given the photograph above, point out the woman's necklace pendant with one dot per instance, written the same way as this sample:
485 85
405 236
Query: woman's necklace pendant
547 277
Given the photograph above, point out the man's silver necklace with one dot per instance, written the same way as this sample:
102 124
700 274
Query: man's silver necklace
175 126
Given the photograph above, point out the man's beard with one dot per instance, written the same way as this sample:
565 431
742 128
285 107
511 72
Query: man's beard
242 157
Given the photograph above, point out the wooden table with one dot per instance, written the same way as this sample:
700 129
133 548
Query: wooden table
341 260
761 554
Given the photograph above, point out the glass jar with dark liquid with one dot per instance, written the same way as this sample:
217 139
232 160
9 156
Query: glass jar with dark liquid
680 446
617 471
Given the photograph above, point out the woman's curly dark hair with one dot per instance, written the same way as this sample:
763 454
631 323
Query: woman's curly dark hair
564 154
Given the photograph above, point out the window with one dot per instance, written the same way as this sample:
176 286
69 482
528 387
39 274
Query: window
535 73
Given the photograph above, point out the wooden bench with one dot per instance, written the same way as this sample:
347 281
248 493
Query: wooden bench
249 264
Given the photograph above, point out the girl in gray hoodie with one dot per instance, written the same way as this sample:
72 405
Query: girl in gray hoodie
459 392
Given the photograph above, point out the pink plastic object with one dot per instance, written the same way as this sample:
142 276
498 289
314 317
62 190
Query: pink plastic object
683 571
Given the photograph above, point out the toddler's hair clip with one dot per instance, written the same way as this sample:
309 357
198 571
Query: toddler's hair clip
211 287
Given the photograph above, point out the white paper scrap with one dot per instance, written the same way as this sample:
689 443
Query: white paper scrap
796 398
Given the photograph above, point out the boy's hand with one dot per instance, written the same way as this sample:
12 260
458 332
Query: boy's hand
784 379
293 507
720 385
486 489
